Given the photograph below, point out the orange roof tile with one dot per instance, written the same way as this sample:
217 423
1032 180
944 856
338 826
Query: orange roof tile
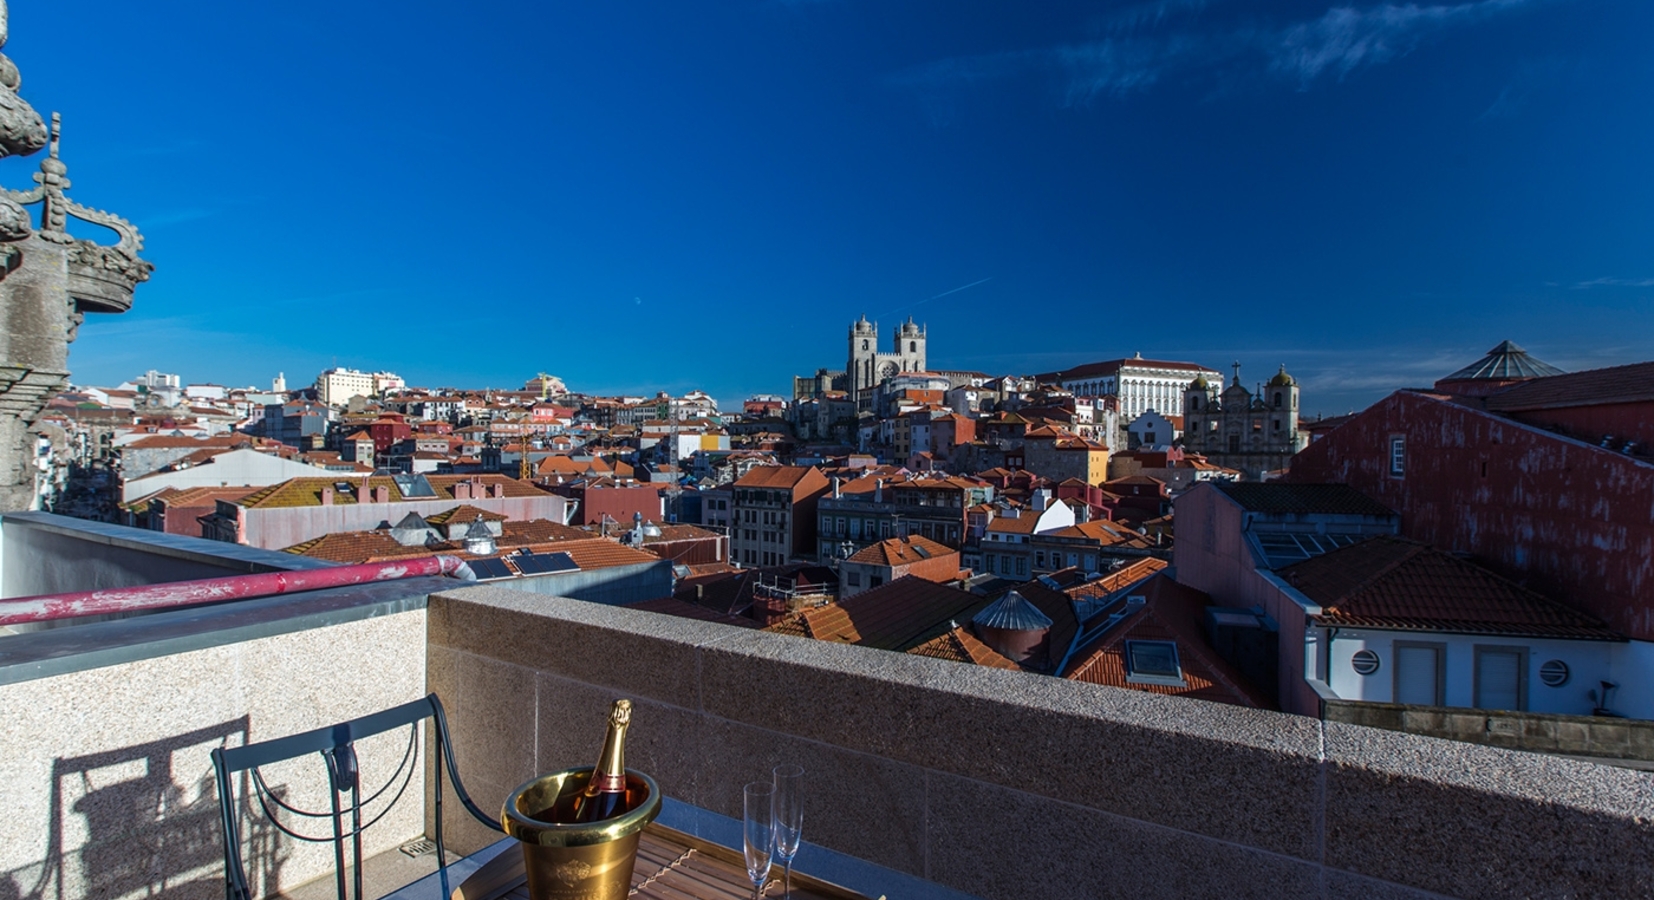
902 551
1171 612
1394 583
894 616
959 645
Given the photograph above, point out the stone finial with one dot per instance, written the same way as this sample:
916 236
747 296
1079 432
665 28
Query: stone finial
101 278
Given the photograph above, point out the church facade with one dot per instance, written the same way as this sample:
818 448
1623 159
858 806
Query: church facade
866 366
1235 429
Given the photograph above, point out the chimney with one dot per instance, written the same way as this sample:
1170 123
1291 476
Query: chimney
327 496
496 491
835 487
462 490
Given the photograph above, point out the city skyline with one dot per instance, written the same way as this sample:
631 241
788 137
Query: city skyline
1371 194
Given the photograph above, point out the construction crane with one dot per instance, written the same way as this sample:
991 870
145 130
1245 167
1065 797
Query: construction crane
545 386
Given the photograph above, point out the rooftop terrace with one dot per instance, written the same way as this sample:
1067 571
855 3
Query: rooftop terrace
928 777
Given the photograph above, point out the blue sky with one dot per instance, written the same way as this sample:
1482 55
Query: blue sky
639 195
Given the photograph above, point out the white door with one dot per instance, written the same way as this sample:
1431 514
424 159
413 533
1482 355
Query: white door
1418 674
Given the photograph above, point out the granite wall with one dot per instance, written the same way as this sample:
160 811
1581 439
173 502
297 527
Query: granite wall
1008 785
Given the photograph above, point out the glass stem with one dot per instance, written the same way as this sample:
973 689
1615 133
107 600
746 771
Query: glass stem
787 879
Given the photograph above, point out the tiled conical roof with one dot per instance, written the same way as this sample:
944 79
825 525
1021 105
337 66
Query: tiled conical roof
1505 362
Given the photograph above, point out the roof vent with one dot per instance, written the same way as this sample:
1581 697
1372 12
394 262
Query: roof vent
1136 601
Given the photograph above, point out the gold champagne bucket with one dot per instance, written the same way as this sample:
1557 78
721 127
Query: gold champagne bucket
591 861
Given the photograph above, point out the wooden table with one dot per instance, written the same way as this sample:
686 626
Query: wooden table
671 865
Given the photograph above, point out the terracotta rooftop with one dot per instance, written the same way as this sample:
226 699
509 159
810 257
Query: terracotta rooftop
308 491
1171 612
1282 497
1618 384
898 615
1394 583
539 531
959 645
464 512
902 551
774 476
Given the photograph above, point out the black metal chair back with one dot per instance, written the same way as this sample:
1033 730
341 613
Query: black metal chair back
337 746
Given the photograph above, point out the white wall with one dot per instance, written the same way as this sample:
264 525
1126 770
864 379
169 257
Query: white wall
234 468
1627 664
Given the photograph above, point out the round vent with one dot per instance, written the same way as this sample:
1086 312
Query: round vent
1365 662
1554 673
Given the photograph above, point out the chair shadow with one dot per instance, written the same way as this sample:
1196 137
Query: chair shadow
139 832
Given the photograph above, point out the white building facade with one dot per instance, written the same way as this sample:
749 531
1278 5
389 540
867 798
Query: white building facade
1141 384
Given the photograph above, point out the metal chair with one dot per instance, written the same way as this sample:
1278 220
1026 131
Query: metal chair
336 745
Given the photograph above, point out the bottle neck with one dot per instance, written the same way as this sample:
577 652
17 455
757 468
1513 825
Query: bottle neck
610 774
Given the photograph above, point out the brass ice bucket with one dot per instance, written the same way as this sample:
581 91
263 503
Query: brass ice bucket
578 862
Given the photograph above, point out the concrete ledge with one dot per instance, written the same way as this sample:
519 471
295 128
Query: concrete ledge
1006 785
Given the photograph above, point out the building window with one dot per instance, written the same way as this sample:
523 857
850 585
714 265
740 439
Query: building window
1398 456
1022 565
855 579
1277 399
1500 678
1148 437
1153 662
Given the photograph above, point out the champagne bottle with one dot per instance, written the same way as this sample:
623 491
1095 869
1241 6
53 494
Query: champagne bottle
605 795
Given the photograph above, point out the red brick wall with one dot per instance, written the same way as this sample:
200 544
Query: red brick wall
1575 521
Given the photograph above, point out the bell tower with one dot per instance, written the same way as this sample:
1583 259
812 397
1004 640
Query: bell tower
910 346
860 369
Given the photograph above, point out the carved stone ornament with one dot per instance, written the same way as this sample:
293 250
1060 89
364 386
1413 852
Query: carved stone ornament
21 130
101 278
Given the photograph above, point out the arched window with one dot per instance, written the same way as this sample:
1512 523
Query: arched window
1194 404
1277 399
913 347
864 345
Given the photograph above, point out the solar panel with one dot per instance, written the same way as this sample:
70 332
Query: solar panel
488 569
544 563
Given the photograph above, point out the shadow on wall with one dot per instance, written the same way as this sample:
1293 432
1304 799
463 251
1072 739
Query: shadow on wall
134 830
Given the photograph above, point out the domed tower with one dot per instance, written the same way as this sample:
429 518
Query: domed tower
910 346
1280 397
859 370
1200 407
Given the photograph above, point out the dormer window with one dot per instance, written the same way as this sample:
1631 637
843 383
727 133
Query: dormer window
1154 662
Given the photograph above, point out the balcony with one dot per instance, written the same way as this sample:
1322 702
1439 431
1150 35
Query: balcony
928 778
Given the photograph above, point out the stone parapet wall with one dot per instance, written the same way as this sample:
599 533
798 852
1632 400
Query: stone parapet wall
1007 785
1602 736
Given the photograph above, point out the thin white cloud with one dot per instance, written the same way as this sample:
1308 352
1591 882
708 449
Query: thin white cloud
1134 57
1614 282
1345 38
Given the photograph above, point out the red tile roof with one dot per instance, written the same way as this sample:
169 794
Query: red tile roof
1594 387
1394 583
902 551
1171 612
774 476
895 616
959 645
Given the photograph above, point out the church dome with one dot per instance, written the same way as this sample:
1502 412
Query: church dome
1282 379
1199 384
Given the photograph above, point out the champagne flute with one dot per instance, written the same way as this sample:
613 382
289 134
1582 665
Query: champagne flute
789 819
758 832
